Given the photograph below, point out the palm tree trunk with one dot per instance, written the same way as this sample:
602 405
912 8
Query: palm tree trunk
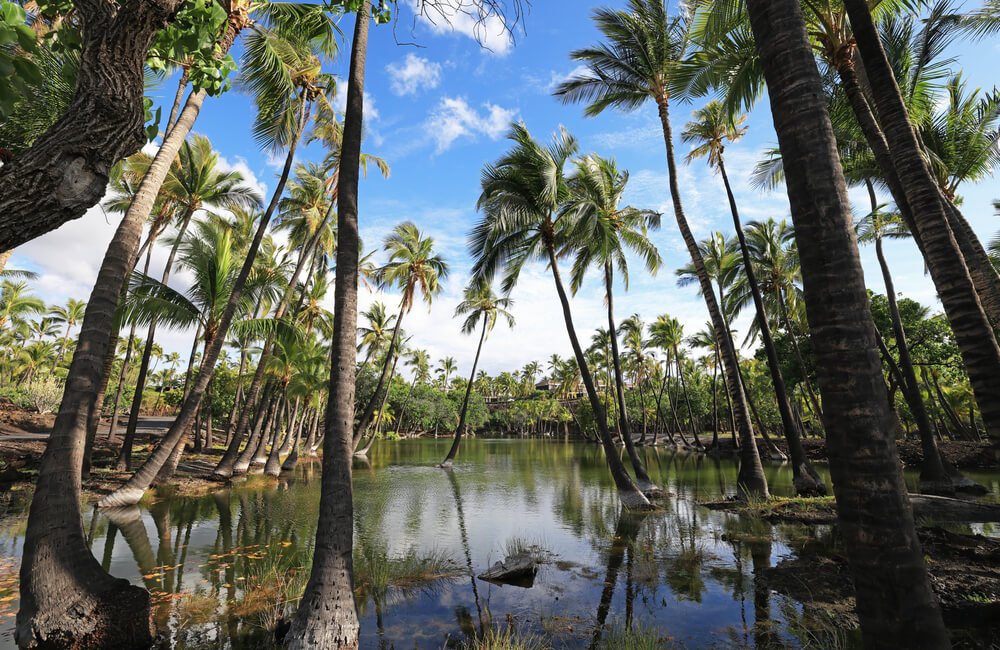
750 479
973 332
804 477
135 487
895 602
642 479
460 429
715 402
178 97
630 496
327 616
687 399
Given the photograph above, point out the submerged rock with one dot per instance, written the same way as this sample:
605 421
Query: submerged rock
518 570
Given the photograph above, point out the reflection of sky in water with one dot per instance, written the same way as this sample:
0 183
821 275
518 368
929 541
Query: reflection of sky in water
682 573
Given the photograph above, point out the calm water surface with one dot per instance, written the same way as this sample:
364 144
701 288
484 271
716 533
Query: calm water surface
223 568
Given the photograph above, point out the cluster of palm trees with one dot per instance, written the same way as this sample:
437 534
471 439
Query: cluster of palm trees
296 375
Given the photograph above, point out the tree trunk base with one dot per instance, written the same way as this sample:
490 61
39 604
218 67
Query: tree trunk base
649 489
119 617
121 498
808 483
634 500
446 464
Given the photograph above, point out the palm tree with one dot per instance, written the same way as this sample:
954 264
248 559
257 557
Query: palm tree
327 615
413 267
521 198
446 368
16 303
376 334
639 61
711 129
479 304
894 599
605 231
69 315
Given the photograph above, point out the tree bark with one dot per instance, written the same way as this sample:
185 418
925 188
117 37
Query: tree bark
65 172
327 616
895 602
750 479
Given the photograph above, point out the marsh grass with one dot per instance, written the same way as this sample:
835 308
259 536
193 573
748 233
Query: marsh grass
636 637
507 638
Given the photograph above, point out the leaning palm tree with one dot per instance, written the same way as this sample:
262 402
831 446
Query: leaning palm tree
479 304
521 199
895 602
414 268
711 129
639 61
605 232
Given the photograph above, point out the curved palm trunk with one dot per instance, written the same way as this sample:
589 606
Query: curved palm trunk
642 479
631 497
327 616
715 403
895 603
750 479
973 332
804 477
687 400
460 429
135 487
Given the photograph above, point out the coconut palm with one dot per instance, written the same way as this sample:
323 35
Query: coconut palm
605 231
375 335
711 129
70 315
639 61
413 268
446 368
479 304
17 303
521 199
894 598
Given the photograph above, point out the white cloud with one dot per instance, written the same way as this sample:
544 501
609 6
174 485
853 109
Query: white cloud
413 74
470 18
371 115
454 118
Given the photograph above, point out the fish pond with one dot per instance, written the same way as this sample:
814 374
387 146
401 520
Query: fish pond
225 569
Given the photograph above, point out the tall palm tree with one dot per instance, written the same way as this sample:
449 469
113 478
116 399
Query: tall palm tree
17 303
894 598
479 304
375 335
639 62
521 198
711 129
327 616
70 315
413 268
446 368
605 231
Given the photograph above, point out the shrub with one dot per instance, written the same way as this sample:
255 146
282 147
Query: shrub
44 395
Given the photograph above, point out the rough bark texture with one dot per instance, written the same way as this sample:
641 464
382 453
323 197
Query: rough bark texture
327 616
894 599
750 479
804 477
65 172
973 332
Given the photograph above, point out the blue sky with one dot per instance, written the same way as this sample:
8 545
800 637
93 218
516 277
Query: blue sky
438 105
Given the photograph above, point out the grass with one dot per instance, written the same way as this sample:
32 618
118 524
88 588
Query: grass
520 546
638 637
507 638
788 507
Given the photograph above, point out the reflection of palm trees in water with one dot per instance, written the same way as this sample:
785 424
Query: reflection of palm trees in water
763 631
483 621
626 531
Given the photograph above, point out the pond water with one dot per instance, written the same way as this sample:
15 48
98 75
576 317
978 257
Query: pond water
224 568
